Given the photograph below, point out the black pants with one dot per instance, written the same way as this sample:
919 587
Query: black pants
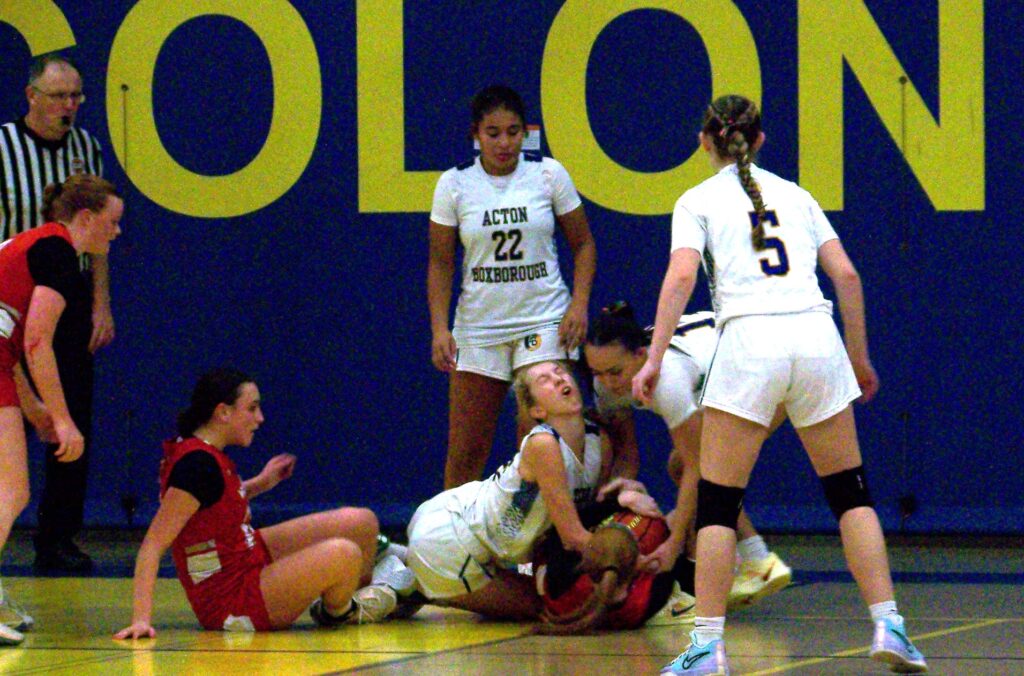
63 498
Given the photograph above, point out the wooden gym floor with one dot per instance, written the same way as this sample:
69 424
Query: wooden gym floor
964 601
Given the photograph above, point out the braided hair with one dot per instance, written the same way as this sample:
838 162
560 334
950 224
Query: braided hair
734 124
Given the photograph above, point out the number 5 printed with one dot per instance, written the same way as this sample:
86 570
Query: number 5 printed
782 267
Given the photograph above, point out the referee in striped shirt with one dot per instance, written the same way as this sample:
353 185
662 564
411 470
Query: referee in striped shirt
41 148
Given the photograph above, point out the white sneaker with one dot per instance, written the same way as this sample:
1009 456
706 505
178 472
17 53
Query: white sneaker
14 615
391 571
373 603
678 610
9 636
758 579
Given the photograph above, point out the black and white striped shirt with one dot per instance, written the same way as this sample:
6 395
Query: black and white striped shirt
28 163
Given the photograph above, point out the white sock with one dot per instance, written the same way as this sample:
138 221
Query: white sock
884 609
707 629
752 549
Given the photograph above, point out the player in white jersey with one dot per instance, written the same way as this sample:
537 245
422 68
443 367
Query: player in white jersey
616 348
514 307
762 238
464 544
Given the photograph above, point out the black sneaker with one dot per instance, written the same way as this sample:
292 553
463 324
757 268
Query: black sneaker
324 618
62 557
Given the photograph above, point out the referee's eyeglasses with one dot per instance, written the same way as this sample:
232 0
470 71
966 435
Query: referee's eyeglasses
63 97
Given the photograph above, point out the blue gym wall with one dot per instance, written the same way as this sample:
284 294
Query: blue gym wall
305 264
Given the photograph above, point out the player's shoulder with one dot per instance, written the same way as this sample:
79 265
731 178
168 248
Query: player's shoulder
464 165
773 182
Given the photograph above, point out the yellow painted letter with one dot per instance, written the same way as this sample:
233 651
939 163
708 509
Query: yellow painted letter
735 70
946 156
294 125
40 22
384 184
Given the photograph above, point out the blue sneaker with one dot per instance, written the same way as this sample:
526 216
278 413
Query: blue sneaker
700 659
892 647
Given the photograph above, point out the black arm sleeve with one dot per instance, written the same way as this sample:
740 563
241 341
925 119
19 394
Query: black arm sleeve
198 475
52 263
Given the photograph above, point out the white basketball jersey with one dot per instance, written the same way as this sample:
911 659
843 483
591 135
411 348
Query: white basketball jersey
511 282
508 514
683 369
715 218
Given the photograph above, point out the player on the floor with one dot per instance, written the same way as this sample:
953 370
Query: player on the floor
616 348
762 239
465 543
236 577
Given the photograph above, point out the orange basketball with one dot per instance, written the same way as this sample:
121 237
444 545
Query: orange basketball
649 532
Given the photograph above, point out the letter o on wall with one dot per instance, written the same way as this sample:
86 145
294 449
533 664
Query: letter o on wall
735 70
294 125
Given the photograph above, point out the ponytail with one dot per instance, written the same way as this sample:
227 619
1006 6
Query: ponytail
219 386
734 125
61 201
616 323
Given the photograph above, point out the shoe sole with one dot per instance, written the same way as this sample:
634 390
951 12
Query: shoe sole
898 663
772 586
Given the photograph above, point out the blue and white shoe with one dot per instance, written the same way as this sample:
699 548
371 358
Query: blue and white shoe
700 659
892 646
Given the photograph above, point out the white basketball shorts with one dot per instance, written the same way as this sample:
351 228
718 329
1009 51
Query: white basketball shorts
443 565
501 360
798 360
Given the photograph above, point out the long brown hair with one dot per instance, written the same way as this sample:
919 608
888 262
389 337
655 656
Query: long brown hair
734 124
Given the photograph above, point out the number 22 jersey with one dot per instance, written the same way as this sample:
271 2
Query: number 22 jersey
511 281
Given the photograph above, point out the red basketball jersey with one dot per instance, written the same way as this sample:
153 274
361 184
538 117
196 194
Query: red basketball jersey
218 546
16 288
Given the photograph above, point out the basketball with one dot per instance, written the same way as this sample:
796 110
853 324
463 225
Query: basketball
649 532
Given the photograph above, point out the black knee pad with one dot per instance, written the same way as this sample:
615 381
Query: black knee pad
718 505
847 490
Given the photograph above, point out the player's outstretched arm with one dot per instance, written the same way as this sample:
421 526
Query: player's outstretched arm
176 508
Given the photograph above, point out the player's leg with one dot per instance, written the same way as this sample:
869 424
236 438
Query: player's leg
474 402
761 572
351 523
729 449
14 491
329 570
509 596
834 452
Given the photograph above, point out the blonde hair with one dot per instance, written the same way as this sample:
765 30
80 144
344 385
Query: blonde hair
524 397
521 387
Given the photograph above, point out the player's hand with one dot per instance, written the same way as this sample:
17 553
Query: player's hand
867 379
645 381
619 484
661 560
572 330
277 469
102 327
136 630
442 351
639 503
70 440
38 415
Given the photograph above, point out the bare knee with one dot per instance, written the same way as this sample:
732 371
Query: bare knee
363 519
342 556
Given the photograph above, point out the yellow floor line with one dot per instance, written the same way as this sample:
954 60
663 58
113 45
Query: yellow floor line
858 651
